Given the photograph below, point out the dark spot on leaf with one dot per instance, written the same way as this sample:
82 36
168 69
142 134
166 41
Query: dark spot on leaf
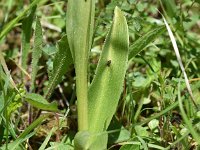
108 63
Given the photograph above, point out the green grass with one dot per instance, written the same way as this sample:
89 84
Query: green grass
71 79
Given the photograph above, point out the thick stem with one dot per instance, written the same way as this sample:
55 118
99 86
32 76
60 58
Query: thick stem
80 22
82 96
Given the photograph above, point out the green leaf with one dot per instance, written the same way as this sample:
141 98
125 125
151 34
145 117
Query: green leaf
153 124
37 51
170 7
26 35
47 139
119 136
85 140
130 147
16 101
141 131
1 102
33 125
106 87
61 63
80 24
144 40
154 146
16 145
39 102
25 135
2 74
81 140
13 22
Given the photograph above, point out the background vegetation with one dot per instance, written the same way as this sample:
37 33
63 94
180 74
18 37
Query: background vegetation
155 110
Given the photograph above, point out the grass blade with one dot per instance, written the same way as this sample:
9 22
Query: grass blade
13 22
17 144
172 38
185 118
44 144
33 125
37 51
144 40
5 68
61 63
25 135
26 36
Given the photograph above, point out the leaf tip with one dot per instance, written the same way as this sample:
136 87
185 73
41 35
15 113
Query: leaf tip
117 11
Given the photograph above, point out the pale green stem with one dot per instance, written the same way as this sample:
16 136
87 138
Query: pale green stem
82 93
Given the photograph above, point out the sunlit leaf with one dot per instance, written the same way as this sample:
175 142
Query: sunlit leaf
106 87
39 102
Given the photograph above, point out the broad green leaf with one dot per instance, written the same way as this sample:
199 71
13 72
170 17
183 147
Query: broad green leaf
106 87
39 102
153 124
141 131
26 35
81 140
121 133
144 40
80 23
61 63
85 140
37 51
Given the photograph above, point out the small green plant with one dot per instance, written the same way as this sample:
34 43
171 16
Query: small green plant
96 104
129 101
